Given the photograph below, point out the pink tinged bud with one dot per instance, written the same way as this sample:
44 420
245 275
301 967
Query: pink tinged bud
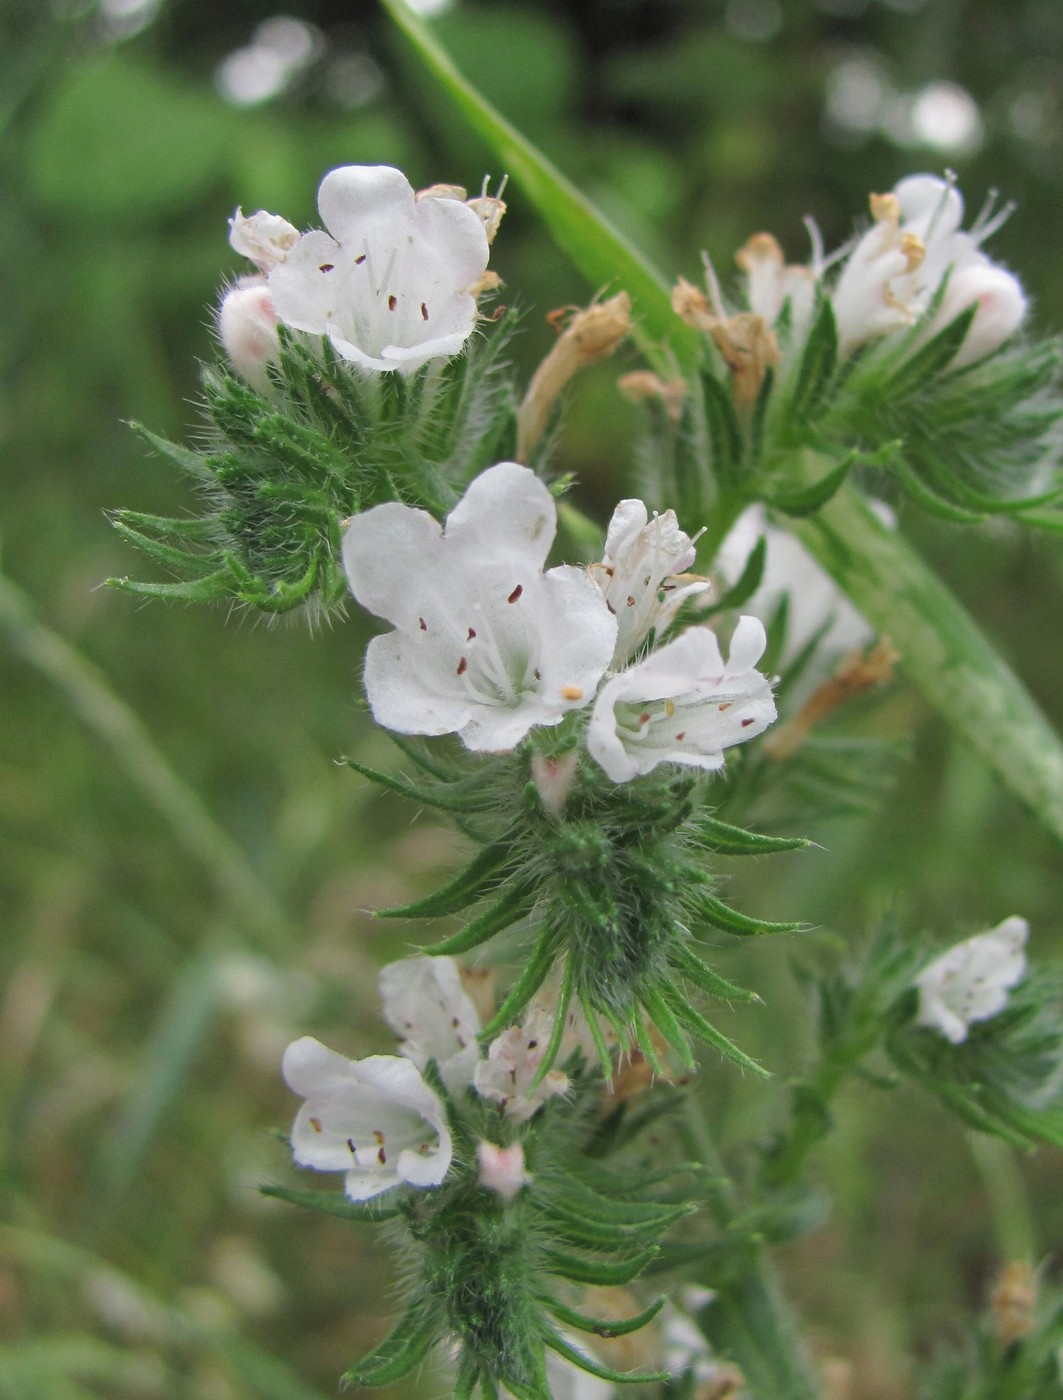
553 779
502 1169
1001 309
247 325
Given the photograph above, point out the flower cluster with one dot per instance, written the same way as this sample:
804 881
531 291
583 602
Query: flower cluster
381 1123
488 645
391 281
971 981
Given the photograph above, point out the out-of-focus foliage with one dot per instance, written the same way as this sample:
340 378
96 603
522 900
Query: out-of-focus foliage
151 976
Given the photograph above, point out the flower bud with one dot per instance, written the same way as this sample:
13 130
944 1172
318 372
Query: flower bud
1001 309
247 325
502 1169
553 779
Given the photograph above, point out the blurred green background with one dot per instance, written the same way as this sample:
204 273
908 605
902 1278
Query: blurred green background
186 867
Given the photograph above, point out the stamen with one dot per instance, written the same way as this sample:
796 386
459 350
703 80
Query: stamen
516 593
315 1123
463 666
571 692
393 301
326 267
423 625
424 312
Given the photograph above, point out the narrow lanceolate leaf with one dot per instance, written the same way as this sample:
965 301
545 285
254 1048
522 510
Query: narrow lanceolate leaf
817 363
191 463
703 977
526 985
601 1326
482 873
401 1350
514 904
731 840
809 500
557 1343
945 654
600 251
936 355
748 581
332 1203
607 1272
722 916
446 797
725 436
704 1030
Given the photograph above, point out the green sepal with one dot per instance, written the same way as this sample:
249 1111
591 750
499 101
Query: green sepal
725 436
601 1327
722 916
728 840
526 985
812 498
747 582
933 357
618 1213
193 464
332 1203
208 589
817 363
483 872
402 1349
586 1363
569 1225
514 904
665 1021
580 1268
557 1032
169 527
704 1030
442 797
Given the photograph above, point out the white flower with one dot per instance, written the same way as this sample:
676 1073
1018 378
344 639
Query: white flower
247 327
426 1005
391 282
891 275
512 1062
502 1169
639 574
266 239
374 1119
972 980
682 704
816 605
485 644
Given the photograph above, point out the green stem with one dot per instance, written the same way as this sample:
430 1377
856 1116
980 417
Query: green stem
942 649
114 722
748 1320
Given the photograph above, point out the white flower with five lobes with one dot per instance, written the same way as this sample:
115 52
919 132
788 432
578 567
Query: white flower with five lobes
485 644
391 282
247 328
376 1120
972 980
891 275
641 574
265 239
426 1005
513 1059
683 704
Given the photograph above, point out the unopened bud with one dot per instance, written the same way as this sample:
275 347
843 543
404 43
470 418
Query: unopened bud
553 779
1001 309
749 349
502 1169
692 306
247 325
265 238
592 334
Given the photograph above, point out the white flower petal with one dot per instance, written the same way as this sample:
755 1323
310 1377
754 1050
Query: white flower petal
376 1119
429 1009
486 645
682 704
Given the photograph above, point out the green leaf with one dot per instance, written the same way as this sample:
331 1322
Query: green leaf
708 981
609 1273
725 436
514 904
722 916
817 363
403 1349
445 797
812 498
484 871
333 1203
731 840
209 589
602 1327
526 985
933 357
748 581
704 1030
586 1363
601 252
